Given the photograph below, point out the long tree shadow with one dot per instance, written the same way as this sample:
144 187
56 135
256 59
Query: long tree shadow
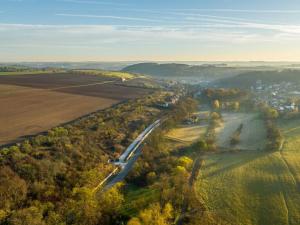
238 162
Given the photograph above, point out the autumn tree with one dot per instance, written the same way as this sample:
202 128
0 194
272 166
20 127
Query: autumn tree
27 216
13 189
154 215
271 113
216 104
83 208
185 162
236 106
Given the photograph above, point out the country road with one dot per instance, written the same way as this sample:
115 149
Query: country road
124 172
127 159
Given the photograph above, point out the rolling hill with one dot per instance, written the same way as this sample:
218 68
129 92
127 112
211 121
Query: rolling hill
184 71
248 79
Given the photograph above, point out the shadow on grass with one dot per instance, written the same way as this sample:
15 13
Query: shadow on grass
238 162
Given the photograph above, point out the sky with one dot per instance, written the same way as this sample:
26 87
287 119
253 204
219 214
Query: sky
149 30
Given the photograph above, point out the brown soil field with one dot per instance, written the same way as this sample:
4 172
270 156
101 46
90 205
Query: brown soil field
52 80
31 104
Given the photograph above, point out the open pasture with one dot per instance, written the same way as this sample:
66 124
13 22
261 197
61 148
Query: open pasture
253 187
249 188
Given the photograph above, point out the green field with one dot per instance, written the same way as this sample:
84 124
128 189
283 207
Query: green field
291 150
253 187
252 137
116 74
137 198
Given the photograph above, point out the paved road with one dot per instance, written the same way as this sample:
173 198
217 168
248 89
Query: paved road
128 158
137 142
125 170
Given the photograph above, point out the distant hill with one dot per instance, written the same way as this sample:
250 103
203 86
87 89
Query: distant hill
248 79
175 70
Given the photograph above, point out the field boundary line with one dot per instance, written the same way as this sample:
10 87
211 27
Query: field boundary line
40 89
81 85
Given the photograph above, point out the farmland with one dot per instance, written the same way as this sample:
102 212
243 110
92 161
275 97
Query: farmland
34 103
24 73
253 187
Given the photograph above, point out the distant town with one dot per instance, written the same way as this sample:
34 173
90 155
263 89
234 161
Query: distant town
281 96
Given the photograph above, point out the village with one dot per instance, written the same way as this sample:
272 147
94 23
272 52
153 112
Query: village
283 96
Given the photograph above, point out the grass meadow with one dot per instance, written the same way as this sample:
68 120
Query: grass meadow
187 134
137 198
253 135
248 188
253 187
116 74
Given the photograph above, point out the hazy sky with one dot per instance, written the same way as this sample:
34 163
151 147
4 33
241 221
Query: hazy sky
112 30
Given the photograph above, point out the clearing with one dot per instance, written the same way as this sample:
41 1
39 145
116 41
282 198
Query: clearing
184 135
253 135
187 134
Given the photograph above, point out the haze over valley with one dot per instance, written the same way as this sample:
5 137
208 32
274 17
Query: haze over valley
149 112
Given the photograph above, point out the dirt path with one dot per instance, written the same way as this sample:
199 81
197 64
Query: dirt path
287 209
293 176
289 168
